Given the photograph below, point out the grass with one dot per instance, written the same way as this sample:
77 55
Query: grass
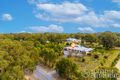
91 62
111 58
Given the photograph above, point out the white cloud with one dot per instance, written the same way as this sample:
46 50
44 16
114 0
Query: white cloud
107 19
110 19
111 15
32 1
25 32
89 18
50 28
37 1
65 8
86 30
77 13
7 17
116 1
64 12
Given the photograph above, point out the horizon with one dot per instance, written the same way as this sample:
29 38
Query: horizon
59 16
54 32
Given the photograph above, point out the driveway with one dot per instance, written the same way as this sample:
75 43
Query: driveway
118 65
41 74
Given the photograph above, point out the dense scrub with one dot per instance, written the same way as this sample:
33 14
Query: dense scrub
20 53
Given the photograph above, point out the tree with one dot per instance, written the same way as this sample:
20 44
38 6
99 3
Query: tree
91 38
117 43
66 68
49 56
13 73
108 39
78 35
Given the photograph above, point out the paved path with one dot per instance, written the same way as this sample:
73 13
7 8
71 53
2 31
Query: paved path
41 74
118 65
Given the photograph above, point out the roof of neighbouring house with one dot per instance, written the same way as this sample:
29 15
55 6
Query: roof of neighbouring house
72 39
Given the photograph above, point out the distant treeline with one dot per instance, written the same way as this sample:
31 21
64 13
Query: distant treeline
21 52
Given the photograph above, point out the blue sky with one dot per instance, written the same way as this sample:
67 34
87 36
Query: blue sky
69 16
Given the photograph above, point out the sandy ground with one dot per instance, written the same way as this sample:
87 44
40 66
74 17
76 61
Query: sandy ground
117 48
30 77
118 65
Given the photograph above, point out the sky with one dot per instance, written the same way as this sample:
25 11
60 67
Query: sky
59 16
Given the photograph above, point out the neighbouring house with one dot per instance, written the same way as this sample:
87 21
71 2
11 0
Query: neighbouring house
72 40
76 50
